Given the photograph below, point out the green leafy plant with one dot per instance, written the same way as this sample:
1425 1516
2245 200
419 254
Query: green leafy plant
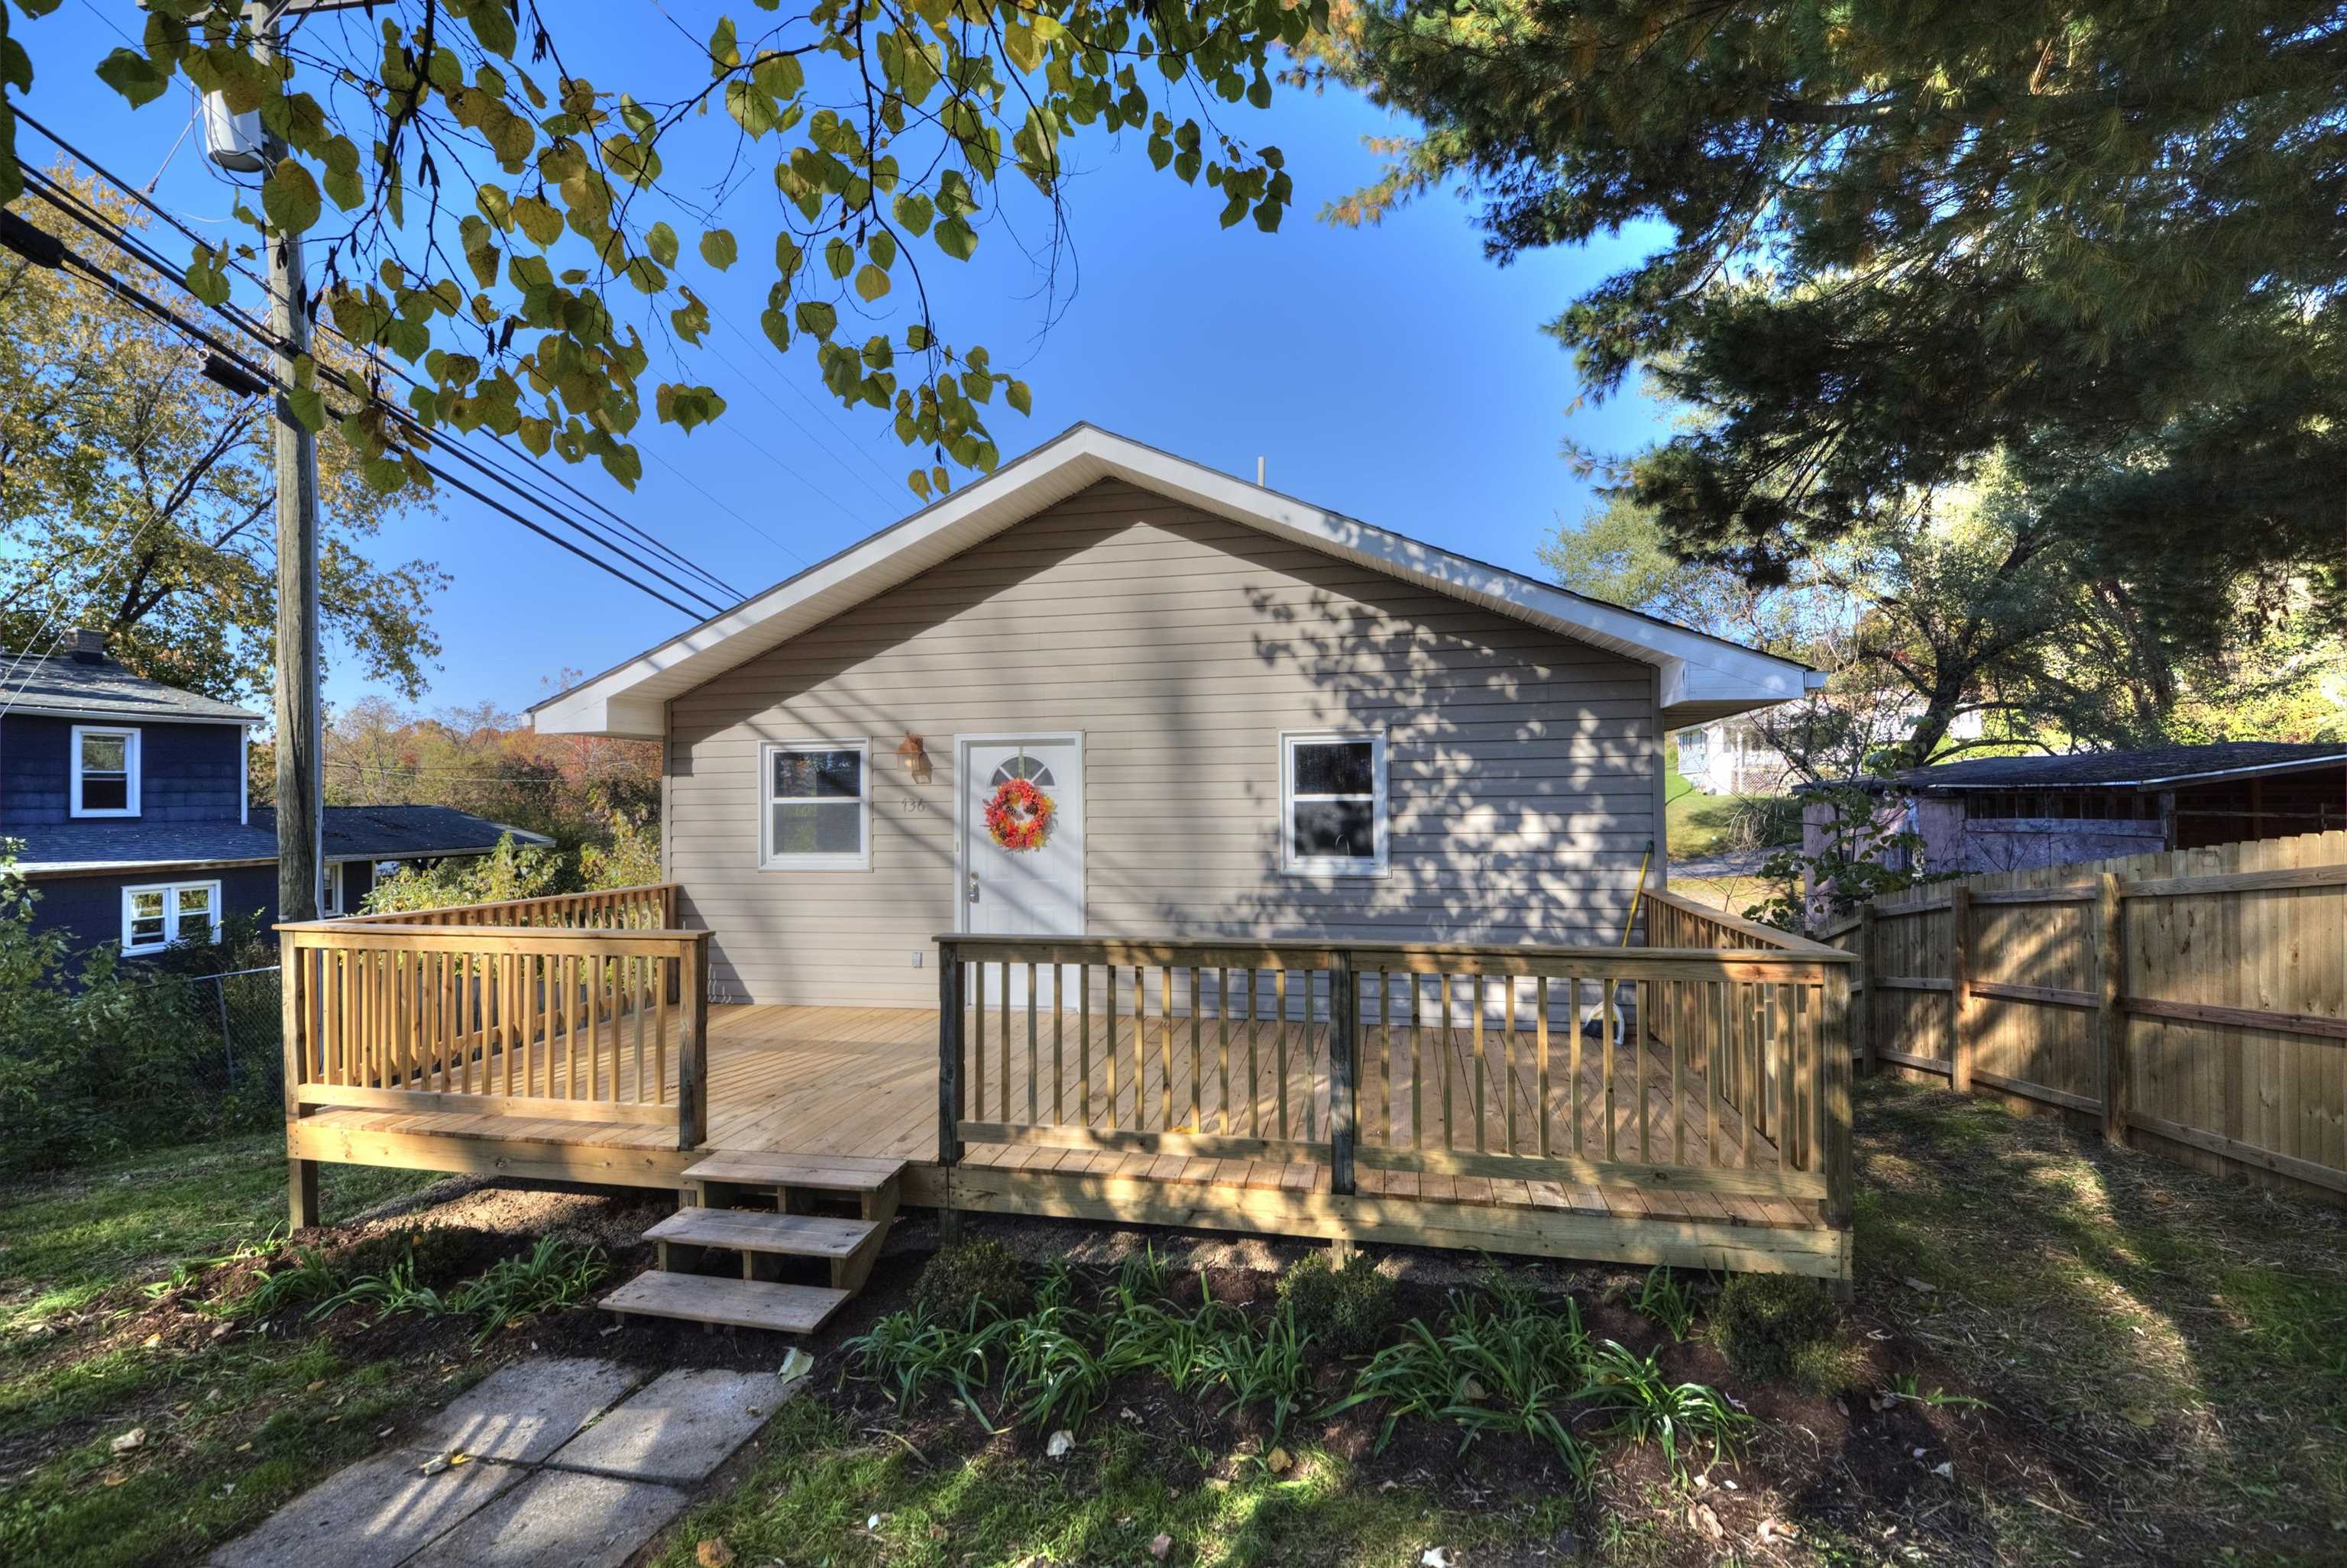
308 1277
1346 1307
1141 1276
396 1289
1052 1376
1647 1407
557 1273
1667 1301
1260 1370
912 1354
1503 1362
1904 1386
1775 1327
974 1278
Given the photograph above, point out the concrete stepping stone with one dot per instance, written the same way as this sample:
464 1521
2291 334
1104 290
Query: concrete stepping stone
676 1428
522 1414
559 1519
377 1513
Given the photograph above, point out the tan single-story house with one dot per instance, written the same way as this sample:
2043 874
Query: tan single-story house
1108 690
1117 838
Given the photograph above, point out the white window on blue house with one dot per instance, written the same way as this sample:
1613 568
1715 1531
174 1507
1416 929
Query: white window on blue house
105 771
154 918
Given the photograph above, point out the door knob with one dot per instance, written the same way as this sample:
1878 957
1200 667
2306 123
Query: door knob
973 887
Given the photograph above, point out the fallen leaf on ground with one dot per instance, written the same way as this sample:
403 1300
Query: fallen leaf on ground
133 1438
1161 1546
713 1553
1277 1462
150 1341
795 1365
1059 1443
1435 1557
1704 1521
1946 1469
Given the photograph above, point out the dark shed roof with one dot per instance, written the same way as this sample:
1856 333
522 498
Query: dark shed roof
352 833
2161 765
399 832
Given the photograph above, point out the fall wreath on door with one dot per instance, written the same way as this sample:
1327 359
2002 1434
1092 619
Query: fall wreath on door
1018 817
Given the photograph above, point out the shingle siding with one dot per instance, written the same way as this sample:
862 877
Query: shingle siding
1522 765
186 772
90 909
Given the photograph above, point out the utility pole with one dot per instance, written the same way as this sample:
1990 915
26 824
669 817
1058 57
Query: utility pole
299 719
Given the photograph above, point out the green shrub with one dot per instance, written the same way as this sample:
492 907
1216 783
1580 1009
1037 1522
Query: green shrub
968 1274
110 1055
1775 1326
1344 1309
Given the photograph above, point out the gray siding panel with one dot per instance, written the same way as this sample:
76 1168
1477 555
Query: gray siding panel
1522 765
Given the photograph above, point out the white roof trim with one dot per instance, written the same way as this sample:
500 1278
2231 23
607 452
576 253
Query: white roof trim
1704 676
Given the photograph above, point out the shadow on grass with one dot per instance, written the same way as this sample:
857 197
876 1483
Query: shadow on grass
2182 1339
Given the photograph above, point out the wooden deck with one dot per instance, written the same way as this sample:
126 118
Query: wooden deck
864 1082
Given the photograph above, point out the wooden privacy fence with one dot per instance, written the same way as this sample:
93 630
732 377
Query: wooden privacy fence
2193 1001
1508 1062
605 1023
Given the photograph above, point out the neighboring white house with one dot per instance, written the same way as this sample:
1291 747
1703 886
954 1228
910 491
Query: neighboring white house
1732 757
1108 690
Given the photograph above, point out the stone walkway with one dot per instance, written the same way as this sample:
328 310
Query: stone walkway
564 1464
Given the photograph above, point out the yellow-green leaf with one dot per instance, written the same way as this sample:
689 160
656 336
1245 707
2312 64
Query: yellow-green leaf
717 249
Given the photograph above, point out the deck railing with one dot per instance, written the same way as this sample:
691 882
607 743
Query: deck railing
506 1009
651 906
1718 1066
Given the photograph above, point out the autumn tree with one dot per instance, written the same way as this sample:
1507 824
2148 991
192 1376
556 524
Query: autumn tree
484 214
136 495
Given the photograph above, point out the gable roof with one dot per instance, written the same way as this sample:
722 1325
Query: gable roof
88 685
1703 676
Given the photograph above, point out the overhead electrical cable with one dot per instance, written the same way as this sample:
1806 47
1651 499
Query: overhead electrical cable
130 242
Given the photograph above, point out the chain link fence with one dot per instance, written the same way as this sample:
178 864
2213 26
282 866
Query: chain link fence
240 1009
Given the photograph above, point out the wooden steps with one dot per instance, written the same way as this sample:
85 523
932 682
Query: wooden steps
786 1225
807 1173
777 1235
732 1303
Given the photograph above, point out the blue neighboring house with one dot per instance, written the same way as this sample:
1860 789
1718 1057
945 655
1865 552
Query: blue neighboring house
129 798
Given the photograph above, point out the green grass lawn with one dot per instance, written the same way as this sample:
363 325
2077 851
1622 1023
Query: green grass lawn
235 1422
1697 824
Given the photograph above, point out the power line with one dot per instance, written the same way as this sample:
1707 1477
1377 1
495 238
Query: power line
129 242
46 190
144 301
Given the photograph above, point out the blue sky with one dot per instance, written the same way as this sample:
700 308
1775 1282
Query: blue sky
1393 373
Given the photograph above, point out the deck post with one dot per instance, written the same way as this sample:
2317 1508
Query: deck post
1833 1093
692 1044
1344 1069
951 1021
302 1210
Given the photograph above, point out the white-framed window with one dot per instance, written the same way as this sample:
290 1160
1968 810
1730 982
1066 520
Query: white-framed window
815 806
330 890
153 918
105 771
1332 803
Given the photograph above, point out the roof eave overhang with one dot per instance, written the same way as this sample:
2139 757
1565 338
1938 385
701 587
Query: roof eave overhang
1702 677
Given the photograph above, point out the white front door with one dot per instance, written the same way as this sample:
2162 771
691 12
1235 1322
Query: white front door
1015 889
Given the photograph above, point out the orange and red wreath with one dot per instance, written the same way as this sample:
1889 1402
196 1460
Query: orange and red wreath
1020 815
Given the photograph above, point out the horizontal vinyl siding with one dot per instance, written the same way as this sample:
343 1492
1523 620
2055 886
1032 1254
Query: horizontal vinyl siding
1520 764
